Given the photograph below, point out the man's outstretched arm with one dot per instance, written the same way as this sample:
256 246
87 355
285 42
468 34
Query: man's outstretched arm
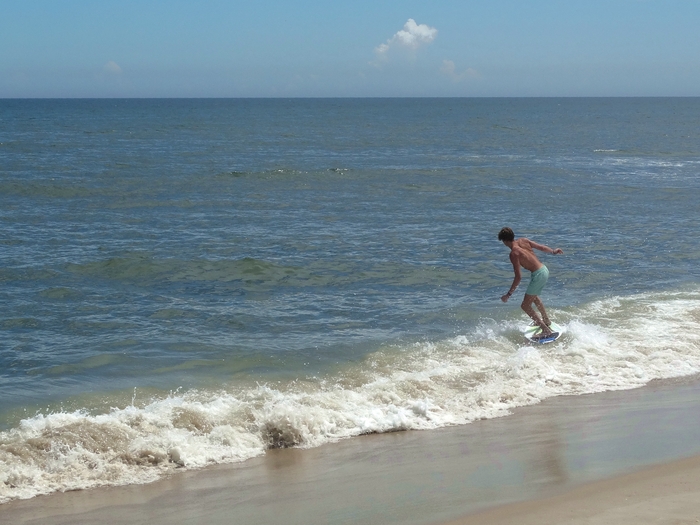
546 249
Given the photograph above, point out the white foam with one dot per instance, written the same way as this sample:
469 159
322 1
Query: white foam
612 344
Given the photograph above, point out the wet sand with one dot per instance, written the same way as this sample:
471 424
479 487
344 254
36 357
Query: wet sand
669 493
616 457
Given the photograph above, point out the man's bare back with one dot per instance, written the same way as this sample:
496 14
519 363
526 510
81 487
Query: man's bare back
522 254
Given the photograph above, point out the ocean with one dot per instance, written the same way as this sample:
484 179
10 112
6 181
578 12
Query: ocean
186 283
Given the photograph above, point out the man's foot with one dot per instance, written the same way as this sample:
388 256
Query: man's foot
546 332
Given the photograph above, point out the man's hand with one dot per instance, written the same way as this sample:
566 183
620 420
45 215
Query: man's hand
558 251
505 298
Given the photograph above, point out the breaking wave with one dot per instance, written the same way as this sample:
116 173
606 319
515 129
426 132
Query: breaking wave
611 344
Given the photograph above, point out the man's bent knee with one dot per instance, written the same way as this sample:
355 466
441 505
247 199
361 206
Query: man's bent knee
527 301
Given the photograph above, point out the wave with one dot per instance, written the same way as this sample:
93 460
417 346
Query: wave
44 189
279 172
143 268
611 344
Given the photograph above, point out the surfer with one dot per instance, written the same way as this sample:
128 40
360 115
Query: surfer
522 254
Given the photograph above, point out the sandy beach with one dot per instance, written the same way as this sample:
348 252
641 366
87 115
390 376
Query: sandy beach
616 457
668 493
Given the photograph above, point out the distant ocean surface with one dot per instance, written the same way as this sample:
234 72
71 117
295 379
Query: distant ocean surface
192 282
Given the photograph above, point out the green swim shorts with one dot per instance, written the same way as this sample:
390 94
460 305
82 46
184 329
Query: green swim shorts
537 281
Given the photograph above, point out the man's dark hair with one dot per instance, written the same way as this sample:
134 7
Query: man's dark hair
506 234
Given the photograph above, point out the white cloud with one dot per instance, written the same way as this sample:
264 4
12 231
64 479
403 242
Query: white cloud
449 69
112 67
412 36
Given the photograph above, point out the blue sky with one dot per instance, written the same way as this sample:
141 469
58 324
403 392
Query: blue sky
309 48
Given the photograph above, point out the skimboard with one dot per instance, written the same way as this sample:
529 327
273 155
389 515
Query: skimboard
532 334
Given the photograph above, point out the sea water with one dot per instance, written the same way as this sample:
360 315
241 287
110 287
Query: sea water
192 282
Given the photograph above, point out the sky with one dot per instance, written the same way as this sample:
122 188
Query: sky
358 48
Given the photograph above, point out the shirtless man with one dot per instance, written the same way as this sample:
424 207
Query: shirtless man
522 254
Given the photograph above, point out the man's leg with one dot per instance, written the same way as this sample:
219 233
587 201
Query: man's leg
526 305
540 306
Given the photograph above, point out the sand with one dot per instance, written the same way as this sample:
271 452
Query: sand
669 493
617 457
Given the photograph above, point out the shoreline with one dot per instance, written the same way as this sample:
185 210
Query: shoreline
668 492
535 456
